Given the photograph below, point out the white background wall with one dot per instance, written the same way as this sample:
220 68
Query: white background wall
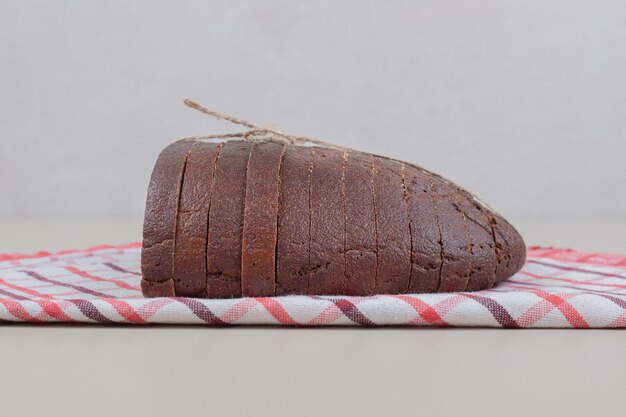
522 102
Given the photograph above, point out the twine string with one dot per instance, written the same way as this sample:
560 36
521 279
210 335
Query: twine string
253 131
256 133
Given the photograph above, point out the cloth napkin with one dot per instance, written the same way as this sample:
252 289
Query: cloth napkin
556 288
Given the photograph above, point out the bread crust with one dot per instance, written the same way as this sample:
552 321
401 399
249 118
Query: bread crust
393 228
360 254
327 223
258 268
226 221
426 247
160 219
294 222
192 224
456 265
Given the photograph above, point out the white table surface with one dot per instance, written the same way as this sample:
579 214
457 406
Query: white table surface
193 370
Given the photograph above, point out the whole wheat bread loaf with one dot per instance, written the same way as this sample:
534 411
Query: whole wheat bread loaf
265 217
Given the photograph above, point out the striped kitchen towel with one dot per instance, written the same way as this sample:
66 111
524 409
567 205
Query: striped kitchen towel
556 288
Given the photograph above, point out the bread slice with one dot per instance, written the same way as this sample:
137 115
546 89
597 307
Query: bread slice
193 215
513 250
456 266
258 268
159 228
360 254
327 223
426 244
483 259
226 221
392 228
294 220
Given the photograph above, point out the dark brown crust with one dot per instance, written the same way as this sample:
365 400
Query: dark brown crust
344 159
408 217
518 247
487 221
425 233
469 240
393 236
513 248
258 275
360 226
327 228
509 247
190 256
455 269
292 246
484 259
159 229
226 221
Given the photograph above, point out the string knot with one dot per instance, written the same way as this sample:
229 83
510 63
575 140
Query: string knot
254 132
